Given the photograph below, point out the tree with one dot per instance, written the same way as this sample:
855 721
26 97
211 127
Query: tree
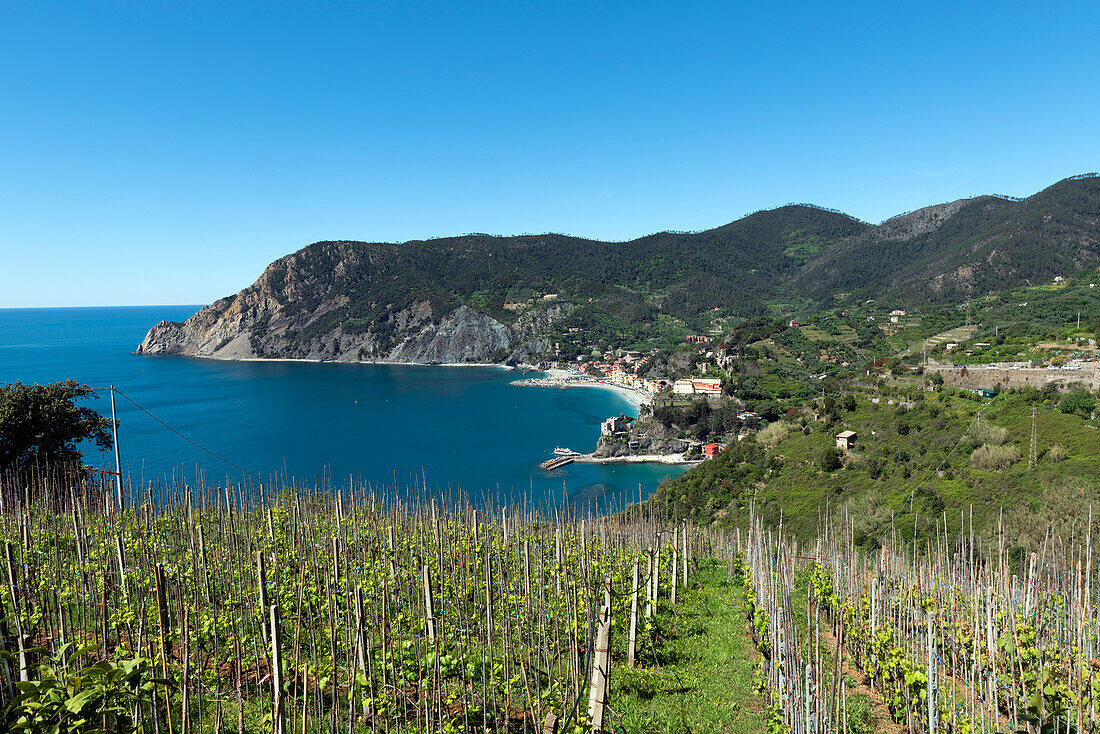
829 459
1079 402
43 424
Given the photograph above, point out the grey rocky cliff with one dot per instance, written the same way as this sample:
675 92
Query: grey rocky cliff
293 311
464 335
529 329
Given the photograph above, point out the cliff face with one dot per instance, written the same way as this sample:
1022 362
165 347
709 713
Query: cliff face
301 308
464 335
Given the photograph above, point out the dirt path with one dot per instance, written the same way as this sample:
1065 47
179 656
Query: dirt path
881 718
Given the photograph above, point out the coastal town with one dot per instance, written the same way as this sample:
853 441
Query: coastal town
746 381
619 371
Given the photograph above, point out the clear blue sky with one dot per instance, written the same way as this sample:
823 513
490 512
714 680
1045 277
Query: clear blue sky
166 152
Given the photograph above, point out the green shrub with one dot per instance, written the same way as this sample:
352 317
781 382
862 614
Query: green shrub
987 433
860 718
773 434
63 699
1056 453
829 459
989 457
1078 402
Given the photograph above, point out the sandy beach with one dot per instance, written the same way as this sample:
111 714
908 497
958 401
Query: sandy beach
560 378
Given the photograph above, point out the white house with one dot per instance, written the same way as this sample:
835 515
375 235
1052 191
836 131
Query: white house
683 387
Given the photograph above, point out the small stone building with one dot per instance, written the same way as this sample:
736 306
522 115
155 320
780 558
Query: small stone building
846 441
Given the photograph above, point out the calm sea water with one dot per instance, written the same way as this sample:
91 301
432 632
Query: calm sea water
444 427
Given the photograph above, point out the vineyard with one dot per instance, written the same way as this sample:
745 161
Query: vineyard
949 636
228 610
235 610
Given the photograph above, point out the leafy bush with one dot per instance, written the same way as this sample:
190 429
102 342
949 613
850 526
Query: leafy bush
987 433
46 423
1078 402
1056 453
102 696
773 434
860 714
829 459
989 457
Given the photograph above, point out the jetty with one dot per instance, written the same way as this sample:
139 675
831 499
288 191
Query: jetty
557 462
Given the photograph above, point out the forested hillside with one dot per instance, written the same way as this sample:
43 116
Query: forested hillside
919 460
400 302
966 249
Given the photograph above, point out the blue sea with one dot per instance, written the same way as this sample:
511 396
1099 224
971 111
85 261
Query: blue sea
383 426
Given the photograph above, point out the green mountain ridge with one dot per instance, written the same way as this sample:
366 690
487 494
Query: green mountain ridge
490 298
986 244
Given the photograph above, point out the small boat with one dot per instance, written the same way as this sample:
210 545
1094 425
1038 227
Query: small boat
562 451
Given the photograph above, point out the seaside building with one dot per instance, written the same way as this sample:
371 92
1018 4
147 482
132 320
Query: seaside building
711 450
615 424
683 387
706 385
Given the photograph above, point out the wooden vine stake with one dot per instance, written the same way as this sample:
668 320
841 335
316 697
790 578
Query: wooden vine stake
601 663
675 566
261 582
165 645
23 676
932 710
633 646
279 722
429 611
649 583
684 556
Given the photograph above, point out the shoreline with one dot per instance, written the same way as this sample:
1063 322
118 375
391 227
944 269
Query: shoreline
556 378
562 379
669 459
371 362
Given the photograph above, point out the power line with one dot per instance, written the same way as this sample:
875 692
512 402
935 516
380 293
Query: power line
928 476
185 438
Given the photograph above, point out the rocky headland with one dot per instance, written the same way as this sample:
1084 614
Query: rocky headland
318 305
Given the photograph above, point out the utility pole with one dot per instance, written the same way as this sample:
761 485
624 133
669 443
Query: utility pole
118 460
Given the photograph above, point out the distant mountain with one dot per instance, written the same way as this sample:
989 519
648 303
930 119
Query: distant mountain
482 298
965 249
